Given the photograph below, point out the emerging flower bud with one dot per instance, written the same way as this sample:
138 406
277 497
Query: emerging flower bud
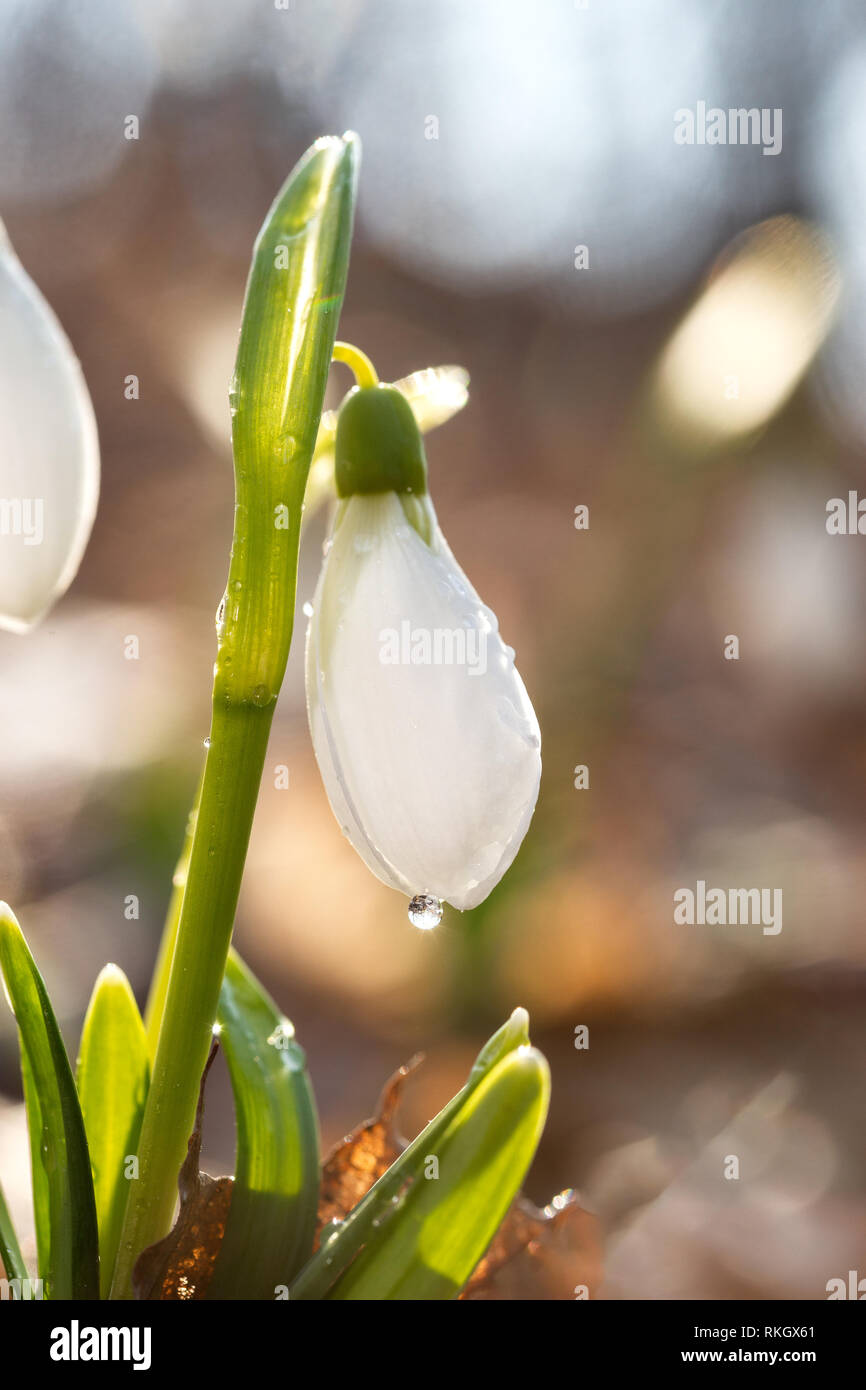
427 742
49 453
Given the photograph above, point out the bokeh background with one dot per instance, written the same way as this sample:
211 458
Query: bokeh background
698 384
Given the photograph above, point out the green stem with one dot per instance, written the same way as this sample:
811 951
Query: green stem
362 368
293 300
238 744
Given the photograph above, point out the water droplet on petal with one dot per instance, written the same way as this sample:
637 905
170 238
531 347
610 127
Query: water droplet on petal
307 610
207 742
425 911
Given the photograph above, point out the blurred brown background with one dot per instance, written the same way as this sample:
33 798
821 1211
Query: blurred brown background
698 385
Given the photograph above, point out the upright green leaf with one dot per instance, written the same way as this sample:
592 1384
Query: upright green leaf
293 300
440 1230
112 1077
364 1224
10 1251
39 1174
272 1218
67 1236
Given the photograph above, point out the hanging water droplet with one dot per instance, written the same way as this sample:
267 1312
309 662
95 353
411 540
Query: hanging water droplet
425 911
207 742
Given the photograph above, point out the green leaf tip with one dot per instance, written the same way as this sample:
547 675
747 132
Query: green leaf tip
365 1226
442 1227
112 1078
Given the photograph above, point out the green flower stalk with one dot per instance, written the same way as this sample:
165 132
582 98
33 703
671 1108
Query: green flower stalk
293 299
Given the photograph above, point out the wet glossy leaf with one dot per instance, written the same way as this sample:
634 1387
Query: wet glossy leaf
67 1238
439 1230
269 1231
112 1077
11 1259
363 1224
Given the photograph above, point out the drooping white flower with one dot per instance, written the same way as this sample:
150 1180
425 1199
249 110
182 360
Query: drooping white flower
49 452
427 741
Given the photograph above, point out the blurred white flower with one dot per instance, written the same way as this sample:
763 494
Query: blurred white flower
427 741
49 452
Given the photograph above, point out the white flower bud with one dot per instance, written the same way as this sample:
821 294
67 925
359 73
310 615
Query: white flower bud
49 453
427 742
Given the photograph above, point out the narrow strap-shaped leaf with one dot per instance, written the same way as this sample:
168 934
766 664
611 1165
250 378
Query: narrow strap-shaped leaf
439 1231
10 1251
272 1218
38 1172
69 1247
364 1222
112 1077
293 300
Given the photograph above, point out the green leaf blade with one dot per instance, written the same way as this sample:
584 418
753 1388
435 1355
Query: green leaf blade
363 1224
272 1218
10 1251
112 1076
286 342
293 298
67 1237
443 1226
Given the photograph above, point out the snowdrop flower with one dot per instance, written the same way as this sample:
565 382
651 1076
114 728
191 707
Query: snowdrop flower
49 453
427 742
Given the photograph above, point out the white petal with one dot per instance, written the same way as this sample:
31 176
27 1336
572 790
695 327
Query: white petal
432 768
435 394
49 452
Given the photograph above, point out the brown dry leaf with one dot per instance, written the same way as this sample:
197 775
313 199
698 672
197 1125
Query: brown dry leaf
181 1266
359 1160
548 1255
